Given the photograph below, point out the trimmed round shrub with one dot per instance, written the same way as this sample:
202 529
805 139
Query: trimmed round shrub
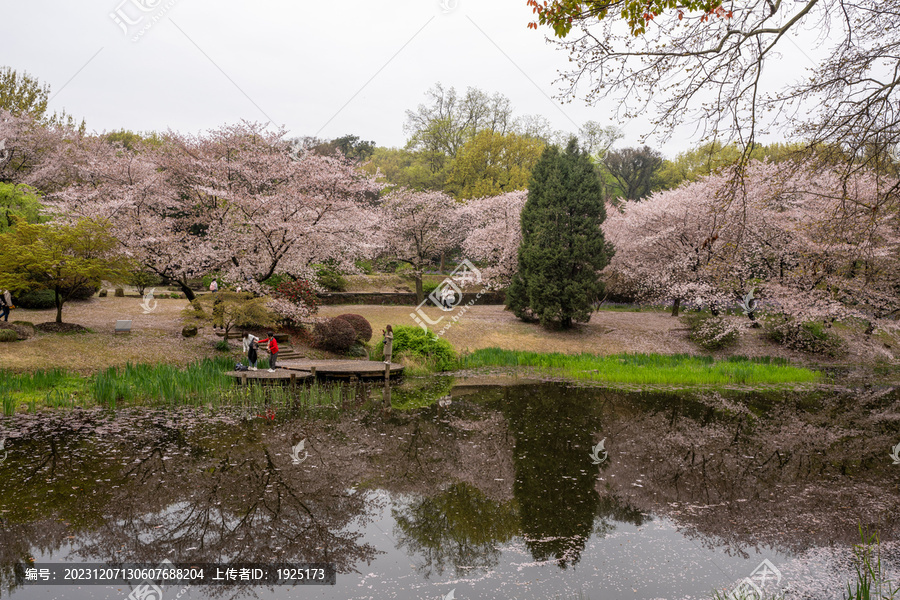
103 293
189 331
120 293
360 324
8 335
436 352
336 335
810 336
712 333
38 299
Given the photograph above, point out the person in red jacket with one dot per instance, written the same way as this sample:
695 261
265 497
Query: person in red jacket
272 347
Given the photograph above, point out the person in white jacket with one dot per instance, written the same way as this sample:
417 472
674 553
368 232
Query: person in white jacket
250 347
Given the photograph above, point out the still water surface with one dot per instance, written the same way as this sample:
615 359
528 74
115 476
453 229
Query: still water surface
496 495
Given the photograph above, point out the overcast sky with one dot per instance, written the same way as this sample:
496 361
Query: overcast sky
319 67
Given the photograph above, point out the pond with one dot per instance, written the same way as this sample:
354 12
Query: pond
498 490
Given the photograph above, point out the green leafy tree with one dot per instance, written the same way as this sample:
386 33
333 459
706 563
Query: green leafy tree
22 94
18 202
349 145
62 258
634 170
491 164
230 310
562 248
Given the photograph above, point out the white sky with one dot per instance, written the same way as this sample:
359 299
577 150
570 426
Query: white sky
321 68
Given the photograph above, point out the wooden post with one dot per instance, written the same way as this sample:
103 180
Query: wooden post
243 380
387 388
312 371
293 382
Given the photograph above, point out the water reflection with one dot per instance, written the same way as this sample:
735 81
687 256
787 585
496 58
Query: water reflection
500 467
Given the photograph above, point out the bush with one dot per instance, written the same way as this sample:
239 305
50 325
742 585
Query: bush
120 293
365 266
299 292
142 279
8 335
102 294
38 299
416 342
429 286
223 346
21 329
330 278
809 336
712 332
189 331
360 324
336 335
84 292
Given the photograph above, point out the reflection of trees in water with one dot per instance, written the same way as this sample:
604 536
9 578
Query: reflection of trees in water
145 486
554 428
149 490
459 527
804 474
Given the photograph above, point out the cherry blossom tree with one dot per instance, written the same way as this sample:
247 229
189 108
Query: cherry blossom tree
494 232
791 239
276 212
416 227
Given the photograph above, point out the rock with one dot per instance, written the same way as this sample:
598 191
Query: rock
189 331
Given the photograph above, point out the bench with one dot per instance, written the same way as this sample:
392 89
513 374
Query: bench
123 327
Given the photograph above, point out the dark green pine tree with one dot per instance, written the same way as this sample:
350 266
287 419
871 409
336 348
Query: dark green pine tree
563 249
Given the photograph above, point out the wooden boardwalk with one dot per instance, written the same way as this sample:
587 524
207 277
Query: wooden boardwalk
283 376
303 370
361 369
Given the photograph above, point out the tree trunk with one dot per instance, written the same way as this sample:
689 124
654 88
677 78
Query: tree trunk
59 306
420 293
188 292
676 307
443 263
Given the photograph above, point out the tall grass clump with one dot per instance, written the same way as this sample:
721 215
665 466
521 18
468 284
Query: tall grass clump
646 369
871 582
161 384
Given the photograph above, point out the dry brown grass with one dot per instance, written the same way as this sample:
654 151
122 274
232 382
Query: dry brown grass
156 337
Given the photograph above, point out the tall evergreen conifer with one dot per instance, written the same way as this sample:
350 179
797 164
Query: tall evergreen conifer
563 249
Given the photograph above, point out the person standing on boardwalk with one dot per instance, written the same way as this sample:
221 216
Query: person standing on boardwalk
388 343
251 347
272 347
5 304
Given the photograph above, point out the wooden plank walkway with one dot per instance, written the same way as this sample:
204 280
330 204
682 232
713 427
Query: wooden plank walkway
342 368
283 376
